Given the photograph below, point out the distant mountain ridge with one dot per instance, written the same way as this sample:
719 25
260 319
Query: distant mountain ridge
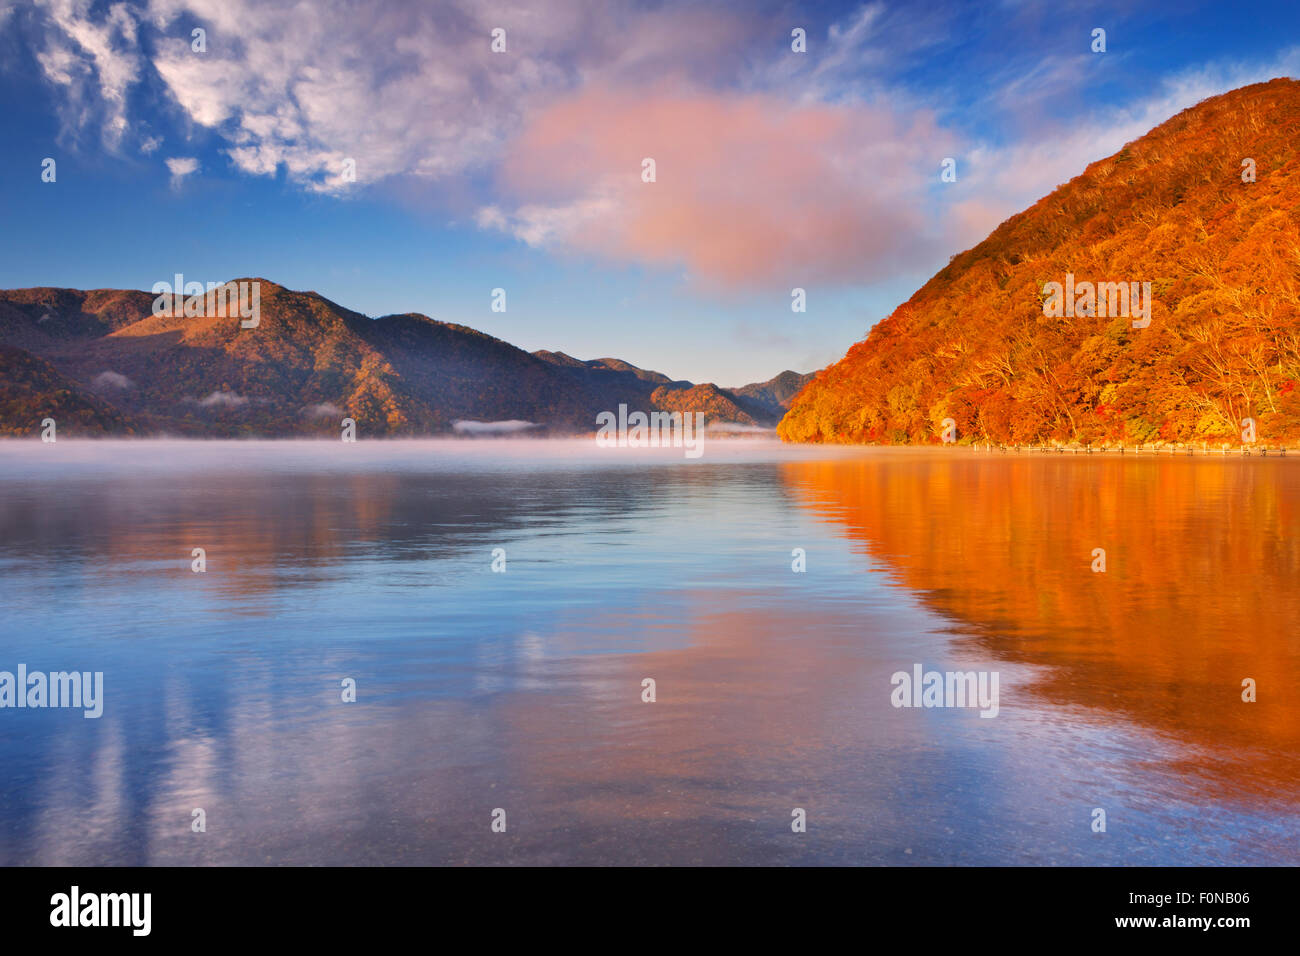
774 396
100 362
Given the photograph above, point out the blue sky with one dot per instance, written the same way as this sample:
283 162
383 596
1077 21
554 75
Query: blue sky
521 169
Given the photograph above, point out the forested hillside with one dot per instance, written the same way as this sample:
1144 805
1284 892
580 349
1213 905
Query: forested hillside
1176 209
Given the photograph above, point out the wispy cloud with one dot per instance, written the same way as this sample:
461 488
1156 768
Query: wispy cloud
510 427
220 399
773 168
180 167
94 60
998 181
322 411
109 380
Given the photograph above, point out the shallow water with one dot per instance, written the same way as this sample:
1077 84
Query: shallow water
522 690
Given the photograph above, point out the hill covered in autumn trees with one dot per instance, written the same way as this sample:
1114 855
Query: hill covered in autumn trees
1173 209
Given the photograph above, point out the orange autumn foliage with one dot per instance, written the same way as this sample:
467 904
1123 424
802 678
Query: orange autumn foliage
1171 208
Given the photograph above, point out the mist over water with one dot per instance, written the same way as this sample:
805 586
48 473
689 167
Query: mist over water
522 690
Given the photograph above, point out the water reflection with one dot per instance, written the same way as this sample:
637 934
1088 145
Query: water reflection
522 690
1199 591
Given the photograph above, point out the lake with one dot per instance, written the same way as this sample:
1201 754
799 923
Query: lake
515 696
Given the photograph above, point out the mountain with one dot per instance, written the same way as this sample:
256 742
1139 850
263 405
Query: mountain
31 390
717 404
1175 208
656 390
773 397
100 362
606 365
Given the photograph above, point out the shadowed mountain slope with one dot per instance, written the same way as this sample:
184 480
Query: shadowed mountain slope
104 358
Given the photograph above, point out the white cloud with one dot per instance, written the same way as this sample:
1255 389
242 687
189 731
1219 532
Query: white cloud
510 427
181 166
406 90
538 224
110 380
323 410
95 58
395 89
401 88
221 400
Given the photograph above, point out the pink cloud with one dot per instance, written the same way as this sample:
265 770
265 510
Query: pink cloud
750 189
971 221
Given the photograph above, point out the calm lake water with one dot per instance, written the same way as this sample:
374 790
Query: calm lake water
522 690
